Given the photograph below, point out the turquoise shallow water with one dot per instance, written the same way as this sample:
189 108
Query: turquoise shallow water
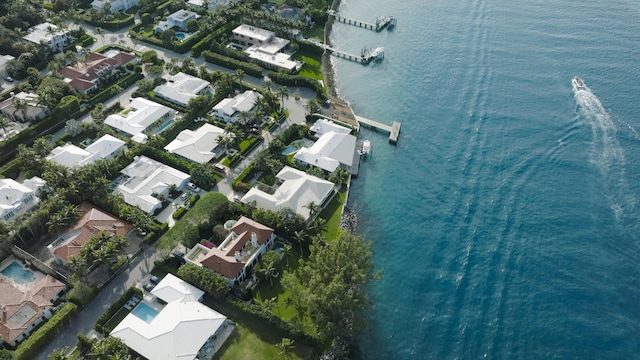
506 218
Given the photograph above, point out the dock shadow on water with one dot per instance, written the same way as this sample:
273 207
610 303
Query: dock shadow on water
606 152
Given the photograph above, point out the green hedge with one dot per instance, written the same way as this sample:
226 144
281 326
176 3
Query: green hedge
30 347
307 46
239 184
233 64
99 325
178 213
166 158
124 83
298 80
193 200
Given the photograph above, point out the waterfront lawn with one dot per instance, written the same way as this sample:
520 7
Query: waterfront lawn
245 343
332 213
312 65
315 32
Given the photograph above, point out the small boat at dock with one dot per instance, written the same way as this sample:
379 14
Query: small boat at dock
365 148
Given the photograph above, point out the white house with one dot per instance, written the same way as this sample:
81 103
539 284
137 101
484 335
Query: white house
33 110
113 5
297 189
323 126
144 117
330 151
49 34
264 47
199 145
106 147
180 88
145 179
17 198
178 19
240 250
228 109
176 326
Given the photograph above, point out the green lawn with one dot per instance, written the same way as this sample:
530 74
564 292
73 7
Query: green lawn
312 66
245 344
332 213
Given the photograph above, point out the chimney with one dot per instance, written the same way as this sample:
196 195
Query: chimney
4 314
238 256
254 239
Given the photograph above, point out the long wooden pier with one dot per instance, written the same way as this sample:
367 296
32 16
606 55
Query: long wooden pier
382 22
393 130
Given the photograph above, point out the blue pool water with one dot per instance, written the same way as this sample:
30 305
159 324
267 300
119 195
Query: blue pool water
289 150
145 312
18 273
181 36
164 127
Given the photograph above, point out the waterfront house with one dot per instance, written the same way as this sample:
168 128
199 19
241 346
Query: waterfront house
295 190
229 109
323 126
265 48
197 145
240 251
181 88
92 221
144 117
145 182
172 323
49 34
17 198
31 110
70 155
330 151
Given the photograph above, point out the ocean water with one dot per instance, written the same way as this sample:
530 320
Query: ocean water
506 220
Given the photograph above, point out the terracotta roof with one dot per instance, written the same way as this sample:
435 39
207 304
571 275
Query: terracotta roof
37 299
81 84
122 58
224 261
92 221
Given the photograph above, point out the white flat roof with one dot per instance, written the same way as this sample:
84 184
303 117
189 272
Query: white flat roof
181 87
239 103
323 126
179 329
143 113
278 59
253 32
145 177
196 145
71 156
329 151
296 192
41 32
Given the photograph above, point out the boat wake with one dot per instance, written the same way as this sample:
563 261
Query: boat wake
606 153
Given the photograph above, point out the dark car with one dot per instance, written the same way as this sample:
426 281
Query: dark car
148 287
154 280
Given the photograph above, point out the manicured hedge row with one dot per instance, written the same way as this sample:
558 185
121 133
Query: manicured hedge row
124 83
233 64
99 325
166 158
309 47
239 184
178 213
28 348
298 80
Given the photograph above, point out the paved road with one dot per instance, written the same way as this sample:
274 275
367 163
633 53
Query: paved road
83 322
140 267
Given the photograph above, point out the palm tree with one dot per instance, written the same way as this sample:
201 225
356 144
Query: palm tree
59 354
268 84
244 117
300 236
5 123
268 304
22 106
100 32
285 346
313 209
240 75
286 252
284 94
269 271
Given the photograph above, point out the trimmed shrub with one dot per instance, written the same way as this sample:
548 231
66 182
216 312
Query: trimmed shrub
233 64
28 348
99 325
178 213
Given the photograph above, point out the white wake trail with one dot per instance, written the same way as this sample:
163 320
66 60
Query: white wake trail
606 153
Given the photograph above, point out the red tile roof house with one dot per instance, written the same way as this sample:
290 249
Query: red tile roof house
86 77
25 306
241 250
92 221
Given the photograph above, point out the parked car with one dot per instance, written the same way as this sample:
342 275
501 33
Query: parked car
193 187
154 280
219 168
237 198
148 287
9 79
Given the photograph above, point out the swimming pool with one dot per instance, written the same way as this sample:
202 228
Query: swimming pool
144 312
18 273
164 126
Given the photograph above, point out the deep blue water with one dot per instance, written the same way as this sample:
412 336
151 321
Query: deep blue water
506 218
18 273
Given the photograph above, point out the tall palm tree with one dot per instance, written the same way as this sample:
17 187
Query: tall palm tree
283 92
5 123
285 346
313 209
286 252
59 354
22 106
244 117
268 84
240 75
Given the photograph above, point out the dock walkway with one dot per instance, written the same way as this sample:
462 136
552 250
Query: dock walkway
393 130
